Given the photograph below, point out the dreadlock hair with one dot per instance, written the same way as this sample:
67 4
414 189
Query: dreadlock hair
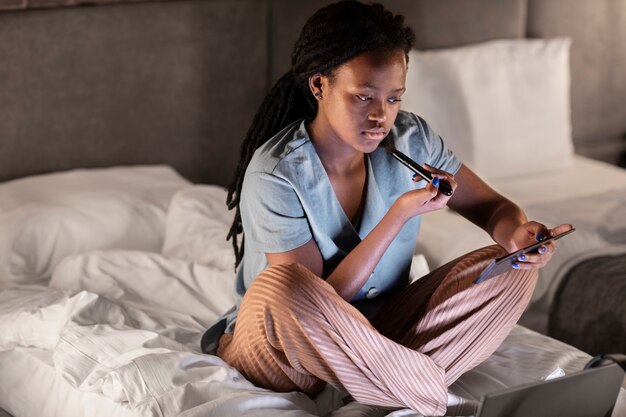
331 36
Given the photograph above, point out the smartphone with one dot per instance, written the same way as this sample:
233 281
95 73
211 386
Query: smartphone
444 186
501 265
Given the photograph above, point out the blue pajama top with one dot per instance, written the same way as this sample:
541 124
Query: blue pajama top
287 199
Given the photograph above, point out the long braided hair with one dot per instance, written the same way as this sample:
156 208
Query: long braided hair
331 36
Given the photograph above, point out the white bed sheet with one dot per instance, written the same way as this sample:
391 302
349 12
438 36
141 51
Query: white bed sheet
587 193
27 373
117 324
31 387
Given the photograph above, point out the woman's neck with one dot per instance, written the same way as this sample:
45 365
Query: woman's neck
338 157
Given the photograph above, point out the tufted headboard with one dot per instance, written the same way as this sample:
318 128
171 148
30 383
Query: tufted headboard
178 82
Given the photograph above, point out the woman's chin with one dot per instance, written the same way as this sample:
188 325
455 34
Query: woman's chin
370 145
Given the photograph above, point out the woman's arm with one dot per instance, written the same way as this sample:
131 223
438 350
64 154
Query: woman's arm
489 210
472 198
355 269
505 222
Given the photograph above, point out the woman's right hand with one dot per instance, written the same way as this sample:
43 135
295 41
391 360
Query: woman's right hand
424 200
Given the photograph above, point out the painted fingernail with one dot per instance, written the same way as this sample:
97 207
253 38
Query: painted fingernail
414 176
539 237
515 265
522 258
542 249
436 181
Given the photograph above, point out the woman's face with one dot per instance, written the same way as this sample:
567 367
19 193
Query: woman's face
362 98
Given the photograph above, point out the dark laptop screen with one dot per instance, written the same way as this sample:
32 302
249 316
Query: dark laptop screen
589 393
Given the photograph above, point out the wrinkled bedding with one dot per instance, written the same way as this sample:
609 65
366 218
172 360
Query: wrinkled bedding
109 335
117 324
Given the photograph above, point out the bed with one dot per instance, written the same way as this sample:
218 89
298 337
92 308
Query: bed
120 124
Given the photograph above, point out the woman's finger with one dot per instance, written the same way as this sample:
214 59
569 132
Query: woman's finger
436 170
442 175
536 259
562 228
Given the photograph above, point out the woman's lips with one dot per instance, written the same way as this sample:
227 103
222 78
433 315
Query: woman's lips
375 134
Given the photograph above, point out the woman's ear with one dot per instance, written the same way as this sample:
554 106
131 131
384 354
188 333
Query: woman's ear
316 83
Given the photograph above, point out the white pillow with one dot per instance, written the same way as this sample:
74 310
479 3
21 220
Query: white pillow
197 225
151 282
45 218
502 106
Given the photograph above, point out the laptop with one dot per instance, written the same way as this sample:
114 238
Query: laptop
588 393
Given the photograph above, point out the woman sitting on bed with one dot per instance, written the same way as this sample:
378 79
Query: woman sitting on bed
331 221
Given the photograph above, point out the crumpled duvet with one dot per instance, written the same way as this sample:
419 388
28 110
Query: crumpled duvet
119 323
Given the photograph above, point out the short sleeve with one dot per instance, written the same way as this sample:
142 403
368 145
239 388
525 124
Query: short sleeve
272 215
439 155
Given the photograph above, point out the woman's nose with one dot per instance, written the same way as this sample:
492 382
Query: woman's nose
377 112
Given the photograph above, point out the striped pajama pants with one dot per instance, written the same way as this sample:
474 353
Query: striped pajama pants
294 332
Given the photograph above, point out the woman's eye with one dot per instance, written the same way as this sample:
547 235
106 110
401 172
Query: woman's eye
391 100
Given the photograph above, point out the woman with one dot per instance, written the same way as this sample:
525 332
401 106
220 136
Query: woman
331 221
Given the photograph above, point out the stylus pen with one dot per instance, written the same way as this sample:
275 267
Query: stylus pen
444 186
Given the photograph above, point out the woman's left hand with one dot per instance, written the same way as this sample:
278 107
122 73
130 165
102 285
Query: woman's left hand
532 232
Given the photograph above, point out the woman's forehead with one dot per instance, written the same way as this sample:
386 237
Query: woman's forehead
386 70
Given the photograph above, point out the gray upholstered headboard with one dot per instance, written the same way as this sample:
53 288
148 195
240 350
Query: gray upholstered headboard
138 83
177 82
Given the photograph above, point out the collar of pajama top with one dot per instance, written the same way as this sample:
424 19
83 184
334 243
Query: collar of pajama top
289 157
